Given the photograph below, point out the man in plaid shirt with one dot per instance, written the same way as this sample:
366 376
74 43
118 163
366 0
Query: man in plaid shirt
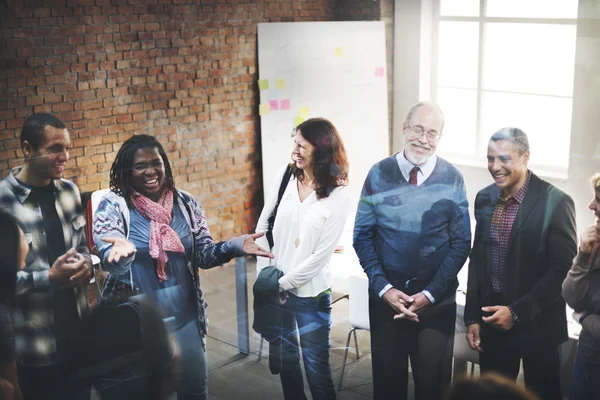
524 244
50 290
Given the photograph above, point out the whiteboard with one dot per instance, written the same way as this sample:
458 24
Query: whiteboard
334 70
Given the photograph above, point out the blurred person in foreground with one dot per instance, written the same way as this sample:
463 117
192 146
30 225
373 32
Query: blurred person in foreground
489 386
581 290
13 251
152 238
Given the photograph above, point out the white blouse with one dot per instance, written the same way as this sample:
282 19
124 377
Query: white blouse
314 225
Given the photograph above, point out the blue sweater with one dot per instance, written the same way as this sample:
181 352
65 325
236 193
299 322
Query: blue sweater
418 235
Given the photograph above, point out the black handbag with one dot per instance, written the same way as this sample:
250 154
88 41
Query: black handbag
282 186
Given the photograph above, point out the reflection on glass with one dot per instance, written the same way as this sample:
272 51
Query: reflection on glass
532 8
459 107
457 54
545 120
461 8
531 58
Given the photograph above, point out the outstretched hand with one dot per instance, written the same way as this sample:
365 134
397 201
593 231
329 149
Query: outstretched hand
251 248
122 248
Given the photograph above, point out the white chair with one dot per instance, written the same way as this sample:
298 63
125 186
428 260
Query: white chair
358 289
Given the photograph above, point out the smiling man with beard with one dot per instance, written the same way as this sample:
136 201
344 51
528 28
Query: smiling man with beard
50 289
524 244
412 236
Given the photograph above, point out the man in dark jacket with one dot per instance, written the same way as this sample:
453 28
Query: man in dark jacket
524 244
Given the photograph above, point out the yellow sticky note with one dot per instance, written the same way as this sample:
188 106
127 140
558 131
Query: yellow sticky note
263 84
338 52
298 121
264 109
280 84
303 112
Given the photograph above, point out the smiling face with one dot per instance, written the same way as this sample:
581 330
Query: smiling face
48 161
148 173
507 166
302 153
418 147
594 206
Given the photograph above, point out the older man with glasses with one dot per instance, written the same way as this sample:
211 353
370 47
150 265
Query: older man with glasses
412 236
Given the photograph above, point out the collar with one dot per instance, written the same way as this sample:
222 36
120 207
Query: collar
21 190
425 169
520 195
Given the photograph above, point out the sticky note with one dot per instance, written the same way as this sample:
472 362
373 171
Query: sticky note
285 104
298 121
379 72
274 104
303 112
280 84
264 109
338 52
263 84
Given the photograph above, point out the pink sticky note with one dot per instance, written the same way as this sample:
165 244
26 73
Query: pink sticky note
285 104
274 104
379 72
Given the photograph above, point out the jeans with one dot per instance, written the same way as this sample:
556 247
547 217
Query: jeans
49 383
586 380
310 319
193 371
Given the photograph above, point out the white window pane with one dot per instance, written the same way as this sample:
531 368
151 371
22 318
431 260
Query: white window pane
532 8
460 115
460 8
457 54
545 120
529 58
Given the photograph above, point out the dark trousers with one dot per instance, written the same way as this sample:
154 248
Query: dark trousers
49 383
429 344
586 380
504 350
308 318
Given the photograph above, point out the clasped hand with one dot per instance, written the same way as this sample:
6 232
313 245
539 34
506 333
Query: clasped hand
70 270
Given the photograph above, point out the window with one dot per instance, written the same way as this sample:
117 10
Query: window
500 63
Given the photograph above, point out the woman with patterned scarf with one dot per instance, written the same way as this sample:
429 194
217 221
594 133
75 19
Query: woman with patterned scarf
152 238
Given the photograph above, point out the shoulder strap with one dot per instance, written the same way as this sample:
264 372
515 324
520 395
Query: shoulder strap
282 186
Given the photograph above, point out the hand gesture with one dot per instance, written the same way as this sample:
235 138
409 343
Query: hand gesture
420 303
501 319
398 301
70 265
121 248
589 237
474 337
251 248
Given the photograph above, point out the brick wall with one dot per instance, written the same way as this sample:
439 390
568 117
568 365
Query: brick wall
184 71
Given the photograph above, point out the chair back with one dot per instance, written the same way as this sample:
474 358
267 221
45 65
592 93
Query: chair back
358 289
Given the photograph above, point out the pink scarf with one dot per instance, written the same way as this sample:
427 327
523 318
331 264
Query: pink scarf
162 237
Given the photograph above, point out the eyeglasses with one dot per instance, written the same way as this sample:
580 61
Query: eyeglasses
417 132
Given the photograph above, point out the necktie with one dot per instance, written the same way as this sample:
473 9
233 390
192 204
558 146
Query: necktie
413 176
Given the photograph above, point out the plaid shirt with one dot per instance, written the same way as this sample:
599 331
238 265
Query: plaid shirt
504 216
33 311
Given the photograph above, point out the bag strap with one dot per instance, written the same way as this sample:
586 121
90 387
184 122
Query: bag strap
282 186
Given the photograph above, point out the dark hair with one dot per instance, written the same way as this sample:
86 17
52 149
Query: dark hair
329 160
11 244
514 135
34 126
120 172
489 386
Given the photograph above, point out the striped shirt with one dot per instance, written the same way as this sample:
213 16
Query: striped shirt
503 219
33 311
